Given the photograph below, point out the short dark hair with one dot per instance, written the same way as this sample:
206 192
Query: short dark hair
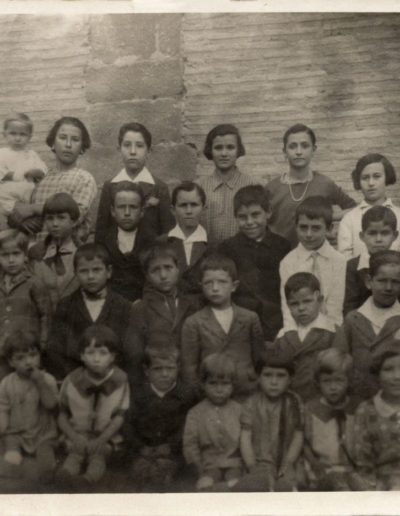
301 280
218 365
218 262
22 118
13 235
270 360
153 352
61 203
136 128
379 358
299 128
188 186
69 120
251 194
315 207
126 186
91 251
20 340
100 335
379 214
222 130
368 159
156 251
381 258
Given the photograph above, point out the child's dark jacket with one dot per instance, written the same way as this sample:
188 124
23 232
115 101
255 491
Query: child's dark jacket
356 291
258 270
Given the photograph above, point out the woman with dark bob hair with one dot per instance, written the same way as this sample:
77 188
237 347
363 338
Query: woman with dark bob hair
372 174
68 139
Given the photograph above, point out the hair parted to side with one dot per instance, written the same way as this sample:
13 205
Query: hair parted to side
315 207
155 252
69 120
20 340
218 262
333 360
368 159
381 258
126 186
21 240
379 214
100 335
223 130
152 353
61 203
251 194
135 127
91 251
379 358
22 118
267 360
218 365
301 280
299 128
188 186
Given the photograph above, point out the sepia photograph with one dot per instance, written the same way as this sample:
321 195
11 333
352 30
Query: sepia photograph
199 260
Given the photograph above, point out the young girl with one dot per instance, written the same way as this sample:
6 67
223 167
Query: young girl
377 424
223 146
134 142
372 174
374 322
300 182
212 429
68 139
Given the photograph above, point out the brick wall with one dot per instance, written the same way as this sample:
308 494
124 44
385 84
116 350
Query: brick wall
338 73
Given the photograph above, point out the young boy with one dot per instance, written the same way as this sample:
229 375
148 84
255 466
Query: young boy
314 254
257 253
157 416
311 333
28 397
158 317
212 430
125 239
221 326
93 401
93 302
379 231
52 259
374 322
20 168
188 238
329 426
272 431
24 301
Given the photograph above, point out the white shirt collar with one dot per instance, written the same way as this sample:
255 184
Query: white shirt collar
364 205
67 247
161 394
378 316
199 235
324 250
286 179
321 322
126 240
363 263
383 408
144 176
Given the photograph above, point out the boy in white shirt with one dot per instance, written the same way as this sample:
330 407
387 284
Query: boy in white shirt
314 254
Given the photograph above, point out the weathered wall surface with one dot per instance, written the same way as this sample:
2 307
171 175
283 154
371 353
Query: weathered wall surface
338 73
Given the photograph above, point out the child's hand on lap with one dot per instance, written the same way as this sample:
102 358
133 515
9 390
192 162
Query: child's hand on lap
95 446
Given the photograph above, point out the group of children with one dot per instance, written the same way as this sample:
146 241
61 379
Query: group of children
192 341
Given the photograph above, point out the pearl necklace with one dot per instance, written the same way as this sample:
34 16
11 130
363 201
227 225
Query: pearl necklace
299 199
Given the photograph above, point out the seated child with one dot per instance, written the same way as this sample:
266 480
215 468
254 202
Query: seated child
211 439
93 402
24 301
272 431
125 239
378 232
329 426
20 168
312 332
314 254
374 322
157 416
93 302
257 253
161 311
52 259
28 397
377 448
221 326
188 238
